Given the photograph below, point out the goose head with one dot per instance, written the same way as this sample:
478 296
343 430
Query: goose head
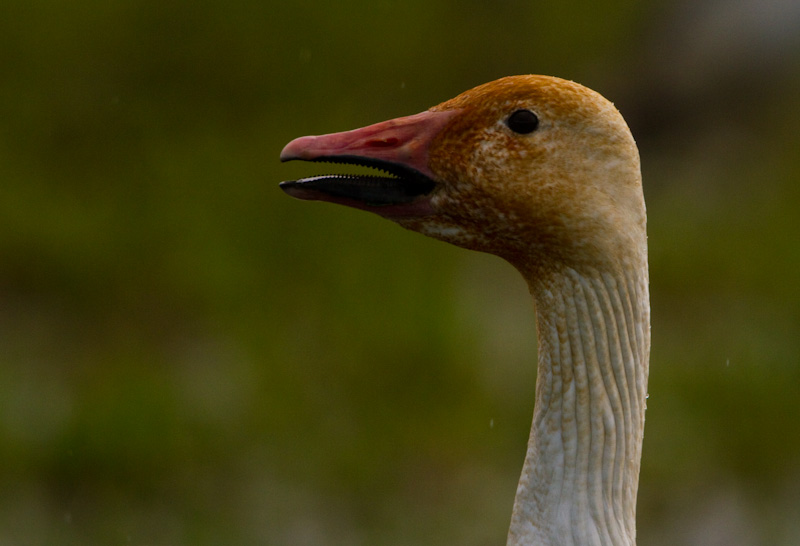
538 170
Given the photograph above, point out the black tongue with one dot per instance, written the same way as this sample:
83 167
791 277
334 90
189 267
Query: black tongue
370 190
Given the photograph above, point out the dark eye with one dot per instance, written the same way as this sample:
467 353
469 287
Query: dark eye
522 122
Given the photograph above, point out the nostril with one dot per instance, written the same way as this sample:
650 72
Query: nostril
383 142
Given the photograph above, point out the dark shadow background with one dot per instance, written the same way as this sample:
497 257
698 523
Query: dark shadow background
188 356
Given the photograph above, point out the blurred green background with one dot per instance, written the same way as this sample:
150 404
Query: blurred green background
188 356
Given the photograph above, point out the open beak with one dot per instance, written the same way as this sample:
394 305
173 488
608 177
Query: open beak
398 147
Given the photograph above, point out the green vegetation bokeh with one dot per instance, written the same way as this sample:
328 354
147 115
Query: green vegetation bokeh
188 356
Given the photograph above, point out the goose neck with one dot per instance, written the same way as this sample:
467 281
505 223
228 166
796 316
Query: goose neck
580 477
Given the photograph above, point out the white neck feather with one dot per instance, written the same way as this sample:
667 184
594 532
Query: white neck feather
581 472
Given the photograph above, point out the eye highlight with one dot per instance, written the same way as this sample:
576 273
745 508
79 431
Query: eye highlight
523 122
